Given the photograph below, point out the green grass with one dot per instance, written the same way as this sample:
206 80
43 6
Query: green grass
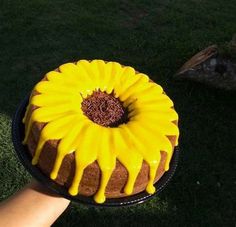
156 37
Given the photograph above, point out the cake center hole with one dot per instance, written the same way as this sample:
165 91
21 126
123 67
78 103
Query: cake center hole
104 109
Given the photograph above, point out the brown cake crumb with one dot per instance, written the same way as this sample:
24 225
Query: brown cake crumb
104 109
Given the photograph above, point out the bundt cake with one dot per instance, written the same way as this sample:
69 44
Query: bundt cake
100 129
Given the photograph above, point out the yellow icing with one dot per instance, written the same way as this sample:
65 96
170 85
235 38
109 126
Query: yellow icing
143 137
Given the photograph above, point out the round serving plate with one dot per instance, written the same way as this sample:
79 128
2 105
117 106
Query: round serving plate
25 158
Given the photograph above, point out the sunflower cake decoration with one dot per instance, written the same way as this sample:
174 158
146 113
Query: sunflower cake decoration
101 115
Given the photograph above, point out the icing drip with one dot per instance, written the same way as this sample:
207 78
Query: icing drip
60 102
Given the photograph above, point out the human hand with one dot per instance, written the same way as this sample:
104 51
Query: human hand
34 205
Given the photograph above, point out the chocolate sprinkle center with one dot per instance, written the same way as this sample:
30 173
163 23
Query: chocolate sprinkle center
104 109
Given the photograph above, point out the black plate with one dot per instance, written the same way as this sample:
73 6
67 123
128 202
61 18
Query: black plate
21 150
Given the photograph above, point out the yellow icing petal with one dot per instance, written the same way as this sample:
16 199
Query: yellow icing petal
71 71
148 92
67 145
75 136
164 102
128 78
54 130
82 158
105 75
168 128
162 141
154 116
153 104
83 154
83 74
106 161
58 128
133 96
95 71
73 77
52 100
90 69
139 84
152 157
47 87
106 158
141 143
116 71
86 137
133 161
46 114
55 77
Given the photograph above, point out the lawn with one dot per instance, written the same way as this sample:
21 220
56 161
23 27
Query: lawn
156 37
